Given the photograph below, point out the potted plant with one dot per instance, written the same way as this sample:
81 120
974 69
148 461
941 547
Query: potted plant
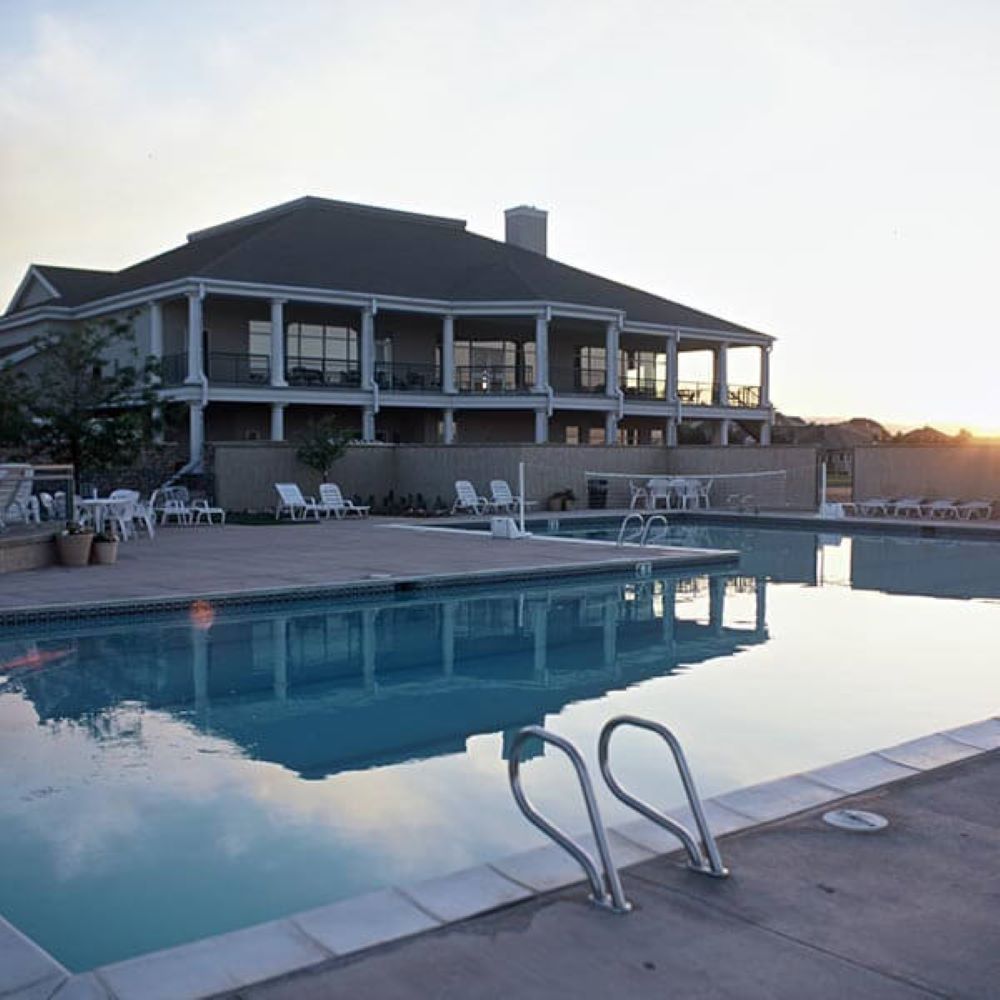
105 551
562 500
74 544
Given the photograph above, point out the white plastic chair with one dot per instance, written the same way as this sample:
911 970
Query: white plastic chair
466 498
504 499
332 501
293 503
203 511
874 505
122 512
637 495
971 510
660 489
943 508
908 506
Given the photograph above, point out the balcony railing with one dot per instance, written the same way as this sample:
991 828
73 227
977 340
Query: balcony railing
316 373
238 369
747 396
403 377
578 380
698 393
493 378
173 369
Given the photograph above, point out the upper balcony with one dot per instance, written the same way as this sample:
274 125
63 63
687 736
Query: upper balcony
254 370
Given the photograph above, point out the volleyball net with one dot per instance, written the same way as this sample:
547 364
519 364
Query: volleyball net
687 490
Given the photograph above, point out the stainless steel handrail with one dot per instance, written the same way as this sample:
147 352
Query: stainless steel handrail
704 858
650 521
606 893
625 522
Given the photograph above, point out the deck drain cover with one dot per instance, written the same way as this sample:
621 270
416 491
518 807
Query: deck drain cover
855 820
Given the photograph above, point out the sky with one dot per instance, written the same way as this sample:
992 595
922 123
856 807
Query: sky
824 171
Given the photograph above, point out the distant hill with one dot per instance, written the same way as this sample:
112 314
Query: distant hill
844 434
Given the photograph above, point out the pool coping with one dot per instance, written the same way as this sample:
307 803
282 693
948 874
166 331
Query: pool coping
329 934
646 557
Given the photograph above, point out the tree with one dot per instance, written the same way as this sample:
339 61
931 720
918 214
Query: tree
322 444
82 407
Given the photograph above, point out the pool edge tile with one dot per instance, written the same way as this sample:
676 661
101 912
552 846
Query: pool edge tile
83 986
929 752
860 774
214 965
773 800
26 968
984 735
335 926
465 893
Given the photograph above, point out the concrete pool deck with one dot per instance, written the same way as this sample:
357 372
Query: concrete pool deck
809 911
302 560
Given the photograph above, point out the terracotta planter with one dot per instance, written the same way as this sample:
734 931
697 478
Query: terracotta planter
105 553
74 550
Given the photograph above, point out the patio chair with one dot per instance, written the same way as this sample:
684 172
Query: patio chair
943 508
970 510
293 503
331 501
637 495
144 513
203 511
661 489
122 512
908 506
503 499
466 498
874 506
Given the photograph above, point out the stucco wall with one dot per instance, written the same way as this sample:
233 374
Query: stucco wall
246 471
967 472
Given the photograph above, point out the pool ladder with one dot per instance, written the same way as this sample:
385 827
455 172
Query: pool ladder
641 535
605 885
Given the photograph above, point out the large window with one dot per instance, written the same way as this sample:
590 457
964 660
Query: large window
644 373
591 371
320 353
260 347
494 365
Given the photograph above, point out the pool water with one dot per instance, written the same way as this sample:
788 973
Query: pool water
188 774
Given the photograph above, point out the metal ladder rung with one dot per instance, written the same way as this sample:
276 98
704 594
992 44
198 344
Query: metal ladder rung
607 893
704 858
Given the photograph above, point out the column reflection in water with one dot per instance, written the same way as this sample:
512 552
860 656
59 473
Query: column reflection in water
760 605
279 641
199 672
610 630
540 628
368 646
448 638
716 603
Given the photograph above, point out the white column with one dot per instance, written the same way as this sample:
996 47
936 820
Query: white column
612 376
367 349
195 327
199 670
196 431
610 428
672 368
368 424
716 603
541 426
540 630
765 376
669 613
541 353
765 433
448 428
277 421
720 375
671 432
278 343
760 609
722 433
610 632
448 354
156 330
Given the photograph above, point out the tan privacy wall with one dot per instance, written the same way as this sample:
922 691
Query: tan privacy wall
245 471
966 472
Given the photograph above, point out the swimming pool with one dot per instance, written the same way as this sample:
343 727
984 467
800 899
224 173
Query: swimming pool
181 775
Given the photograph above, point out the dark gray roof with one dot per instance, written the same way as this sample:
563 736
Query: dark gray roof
75 284
317 243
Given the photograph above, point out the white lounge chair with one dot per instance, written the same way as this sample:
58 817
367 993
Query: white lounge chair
293 503
332 501
466 498
943 508
874 506
503 499
971 510
203 512
909 506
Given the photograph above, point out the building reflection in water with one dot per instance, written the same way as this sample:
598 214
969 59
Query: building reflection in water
360 685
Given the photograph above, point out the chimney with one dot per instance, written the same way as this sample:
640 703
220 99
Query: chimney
527 228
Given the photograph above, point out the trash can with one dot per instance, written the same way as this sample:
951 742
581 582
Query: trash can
597 494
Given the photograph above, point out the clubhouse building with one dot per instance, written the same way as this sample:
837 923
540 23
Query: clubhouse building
408 328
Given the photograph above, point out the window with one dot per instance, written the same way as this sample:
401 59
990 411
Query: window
628 435
644 373
591 371
498 364
260 347
595 435
317 350
656 435
572 435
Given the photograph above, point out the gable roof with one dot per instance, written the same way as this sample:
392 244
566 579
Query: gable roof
320 243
